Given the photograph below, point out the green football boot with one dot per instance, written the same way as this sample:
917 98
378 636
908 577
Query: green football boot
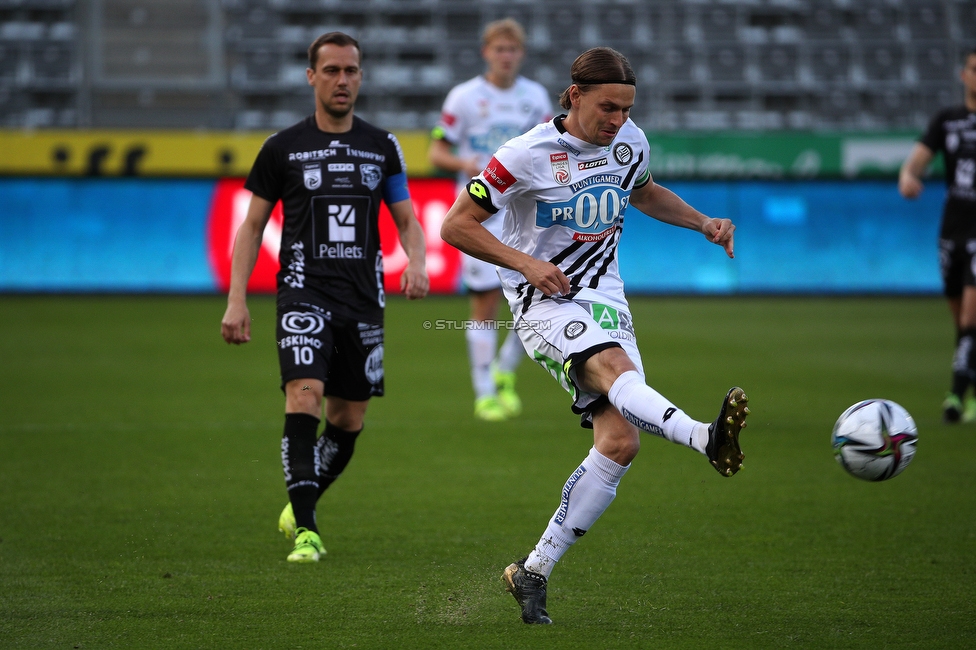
286 522
308 547
489 409
969 410
507 397
951 409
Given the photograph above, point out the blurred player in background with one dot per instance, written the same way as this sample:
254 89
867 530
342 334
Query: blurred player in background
330 171
479 116
566 186
953 132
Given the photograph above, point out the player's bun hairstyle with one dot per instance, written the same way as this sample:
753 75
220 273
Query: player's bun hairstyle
331 38
504 28
599 65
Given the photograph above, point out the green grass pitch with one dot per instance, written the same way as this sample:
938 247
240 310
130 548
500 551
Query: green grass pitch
140 485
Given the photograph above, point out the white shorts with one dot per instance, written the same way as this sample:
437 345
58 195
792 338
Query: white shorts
478 275
560 335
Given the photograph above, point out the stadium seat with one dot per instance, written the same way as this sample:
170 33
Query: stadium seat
678 63
824 22
882 62
778 62
927 20
52 63
831 63
719 23
9 58
933 62
726 63
875 20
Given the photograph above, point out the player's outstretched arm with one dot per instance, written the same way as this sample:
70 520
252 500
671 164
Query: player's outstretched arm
414 281
462 229
912 170
664 205
235 326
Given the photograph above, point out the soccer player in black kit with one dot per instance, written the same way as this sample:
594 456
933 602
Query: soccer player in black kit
330 172
953 132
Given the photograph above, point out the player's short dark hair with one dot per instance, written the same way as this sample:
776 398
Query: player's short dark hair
331 38
598 65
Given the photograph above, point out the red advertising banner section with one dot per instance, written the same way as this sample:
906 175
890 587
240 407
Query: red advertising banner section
432 197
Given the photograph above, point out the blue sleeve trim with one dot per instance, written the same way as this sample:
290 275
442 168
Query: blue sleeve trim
395 189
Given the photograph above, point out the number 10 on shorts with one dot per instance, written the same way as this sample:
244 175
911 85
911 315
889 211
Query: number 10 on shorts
303 355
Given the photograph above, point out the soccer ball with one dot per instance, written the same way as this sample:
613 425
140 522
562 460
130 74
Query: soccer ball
874 440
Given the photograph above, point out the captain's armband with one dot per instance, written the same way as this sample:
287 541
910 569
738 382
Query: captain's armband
479 194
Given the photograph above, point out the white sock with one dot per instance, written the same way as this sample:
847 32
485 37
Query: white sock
481 350
647 409
511 353
587 493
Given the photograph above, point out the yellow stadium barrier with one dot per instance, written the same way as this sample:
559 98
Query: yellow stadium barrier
153 153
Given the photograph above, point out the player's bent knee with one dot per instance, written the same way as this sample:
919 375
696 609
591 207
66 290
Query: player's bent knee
304 396
615 437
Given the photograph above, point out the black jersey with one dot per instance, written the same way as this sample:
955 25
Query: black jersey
953 132
330 186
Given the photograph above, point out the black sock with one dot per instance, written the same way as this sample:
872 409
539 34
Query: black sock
298 456
334 450
964 362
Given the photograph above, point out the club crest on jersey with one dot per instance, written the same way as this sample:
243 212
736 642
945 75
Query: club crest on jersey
560 168
622 153
574 329
371 175
313 175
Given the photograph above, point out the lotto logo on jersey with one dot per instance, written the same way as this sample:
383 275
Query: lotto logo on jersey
560 168
592 164
496 174
592 213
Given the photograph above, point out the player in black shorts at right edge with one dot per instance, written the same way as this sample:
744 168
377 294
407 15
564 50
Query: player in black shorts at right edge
953 132
330 172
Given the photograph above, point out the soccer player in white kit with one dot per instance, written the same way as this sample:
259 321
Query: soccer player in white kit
565 186
479 116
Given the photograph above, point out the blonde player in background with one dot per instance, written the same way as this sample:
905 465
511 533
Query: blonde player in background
479 116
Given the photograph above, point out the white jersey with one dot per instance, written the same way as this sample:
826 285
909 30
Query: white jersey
478 117
564 202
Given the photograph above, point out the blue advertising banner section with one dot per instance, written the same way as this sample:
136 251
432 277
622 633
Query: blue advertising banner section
134 235
804 237
118 235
